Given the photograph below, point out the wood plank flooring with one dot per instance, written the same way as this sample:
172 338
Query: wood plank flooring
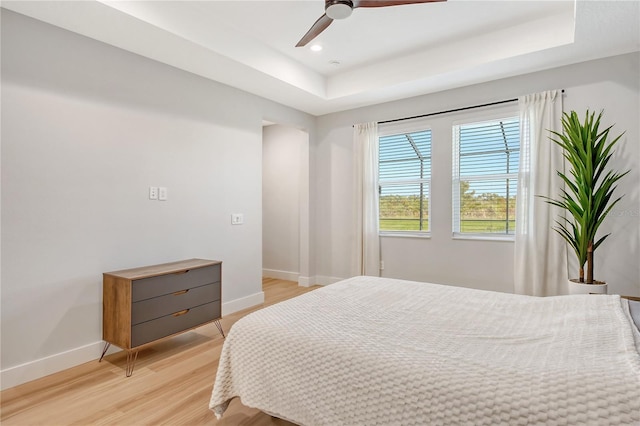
171 384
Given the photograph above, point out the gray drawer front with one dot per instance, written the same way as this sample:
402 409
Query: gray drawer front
161 327
146 288
157 307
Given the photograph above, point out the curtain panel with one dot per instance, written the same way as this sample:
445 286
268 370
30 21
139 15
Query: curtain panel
367 241
540 253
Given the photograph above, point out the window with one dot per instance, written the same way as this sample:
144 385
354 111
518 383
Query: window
485 177
404 179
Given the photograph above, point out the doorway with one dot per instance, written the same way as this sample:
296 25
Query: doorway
285 203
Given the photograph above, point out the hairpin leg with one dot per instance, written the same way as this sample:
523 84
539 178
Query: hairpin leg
104 351
131 362
217 322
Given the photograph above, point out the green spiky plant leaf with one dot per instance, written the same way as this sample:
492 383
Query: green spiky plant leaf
589 186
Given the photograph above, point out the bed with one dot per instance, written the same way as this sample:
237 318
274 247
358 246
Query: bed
378 351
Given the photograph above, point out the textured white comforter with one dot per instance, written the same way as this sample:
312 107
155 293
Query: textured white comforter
373 351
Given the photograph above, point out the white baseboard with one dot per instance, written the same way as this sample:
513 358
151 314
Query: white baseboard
19 374
317 280
281 275
14 376
305 281
242 303
324 280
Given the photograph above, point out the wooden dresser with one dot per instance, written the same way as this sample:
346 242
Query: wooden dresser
143 305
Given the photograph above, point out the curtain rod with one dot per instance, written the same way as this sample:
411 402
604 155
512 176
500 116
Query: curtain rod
451 110
448 111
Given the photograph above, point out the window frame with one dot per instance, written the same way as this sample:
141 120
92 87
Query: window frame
398 128
481 117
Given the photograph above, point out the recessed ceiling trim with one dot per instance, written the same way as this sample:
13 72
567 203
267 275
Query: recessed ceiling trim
195 37
545 33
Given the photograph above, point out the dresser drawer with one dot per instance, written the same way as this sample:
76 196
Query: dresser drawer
146 288
161 327
157 307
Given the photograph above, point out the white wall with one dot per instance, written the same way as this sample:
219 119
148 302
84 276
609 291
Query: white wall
283 180
611 84
86 129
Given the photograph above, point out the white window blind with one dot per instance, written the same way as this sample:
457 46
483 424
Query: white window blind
485 176
404 181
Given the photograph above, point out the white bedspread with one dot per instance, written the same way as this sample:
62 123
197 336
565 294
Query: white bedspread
371 351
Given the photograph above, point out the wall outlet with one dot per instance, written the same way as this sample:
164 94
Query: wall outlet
382 265
162 193
153 192
237 218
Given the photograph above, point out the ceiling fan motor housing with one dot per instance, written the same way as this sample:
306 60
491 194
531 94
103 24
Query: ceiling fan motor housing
338 9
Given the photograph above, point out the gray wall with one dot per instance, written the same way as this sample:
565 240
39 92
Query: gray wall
611 84
86 129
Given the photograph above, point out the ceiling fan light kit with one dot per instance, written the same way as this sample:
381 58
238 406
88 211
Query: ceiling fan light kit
341 9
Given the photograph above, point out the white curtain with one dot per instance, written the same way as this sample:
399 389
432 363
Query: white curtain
540 253
367 242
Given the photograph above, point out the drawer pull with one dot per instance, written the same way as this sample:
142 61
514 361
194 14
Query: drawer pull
182 272
177 314
178 293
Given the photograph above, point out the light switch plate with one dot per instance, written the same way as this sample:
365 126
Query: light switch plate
237 218
162 193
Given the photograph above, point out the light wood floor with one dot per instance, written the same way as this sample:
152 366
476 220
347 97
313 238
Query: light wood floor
171 384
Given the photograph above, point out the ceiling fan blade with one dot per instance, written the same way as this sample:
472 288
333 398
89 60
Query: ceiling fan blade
385 3
315 30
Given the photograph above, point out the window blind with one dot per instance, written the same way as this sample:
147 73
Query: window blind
404 181
485 176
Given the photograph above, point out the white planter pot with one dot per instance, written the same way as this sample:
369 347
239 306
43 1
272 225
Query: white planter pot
576 287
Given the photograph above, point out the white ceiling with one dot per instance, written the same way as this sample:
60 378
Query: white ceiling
384 53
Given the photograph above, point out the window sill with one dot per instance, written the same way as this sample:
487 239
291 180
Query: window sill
484 237
405 234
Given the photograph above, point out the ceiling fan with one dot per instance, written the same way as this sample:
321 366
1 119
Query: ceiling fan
341 9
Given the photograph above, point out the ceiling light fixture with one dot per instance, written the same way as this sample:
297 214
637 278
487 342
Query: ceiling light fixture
316 48
339 9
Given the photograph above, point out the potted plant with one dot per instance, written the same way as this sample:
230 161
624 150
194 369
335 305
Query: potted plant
588 194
